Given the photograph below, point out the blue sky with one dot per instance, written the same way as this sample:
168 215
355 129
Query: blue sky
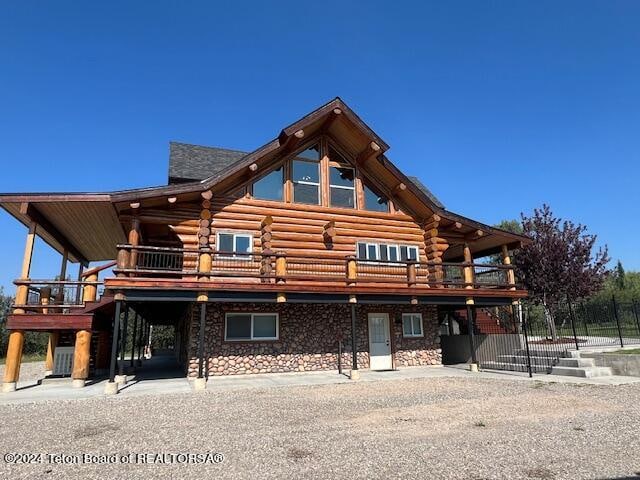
497 106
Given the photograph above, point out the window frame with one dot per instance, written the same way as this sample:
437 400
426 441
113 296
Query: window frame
389 246
342 187
234 256
251 337
413 334
283 175
294 158
366 187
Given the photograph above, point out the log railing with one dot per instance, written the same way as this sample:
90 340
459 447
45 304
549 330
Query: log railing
61 296
279 267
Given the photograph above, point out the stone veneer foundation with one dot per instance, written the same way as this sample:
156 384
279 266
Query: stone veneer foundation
308 339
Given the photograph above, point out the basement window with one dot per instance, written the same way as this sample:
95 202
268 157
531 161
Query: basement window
251 326
412 325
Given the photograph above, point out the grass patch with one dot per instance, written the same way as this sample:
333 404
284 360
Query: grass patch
630 351
31 357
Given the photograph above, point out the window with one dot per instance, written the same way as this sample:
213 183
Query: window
251 326
341 185
412 325
306 176
270 186
387 253
233 245
375 201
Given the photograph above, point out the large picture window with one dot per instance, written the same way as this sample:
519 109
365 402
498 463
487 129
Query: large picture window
387 252
251 326
305 175
234 245
270 187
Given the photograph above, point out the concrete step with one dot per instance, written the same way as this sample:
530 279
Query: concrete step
522 359
547 353
513 367
576 362
585 372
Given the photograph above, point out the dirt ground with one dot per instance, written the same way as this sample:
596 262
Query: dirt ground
449 428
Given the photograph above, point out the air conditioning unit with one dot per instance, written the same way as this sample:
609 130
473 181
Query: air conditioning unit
63 361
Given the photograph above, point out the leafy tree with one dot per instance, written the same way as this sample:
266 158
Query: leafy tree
619 276
560 262
5 305
513 226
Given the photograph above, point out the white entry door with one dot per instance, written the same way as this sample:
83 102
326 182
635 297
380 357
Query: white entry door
379 342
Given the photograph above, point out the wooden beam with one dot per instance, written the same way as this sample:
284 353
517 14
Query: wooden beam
475 235
401 187
43 222
172 200
253 168
371 150
289 143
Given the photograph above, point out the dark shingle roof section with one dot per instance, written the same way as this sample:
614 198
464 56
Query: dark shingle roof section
421 186
194 162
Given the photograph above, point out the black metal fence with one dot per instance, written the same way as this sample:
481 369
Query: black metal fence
532 338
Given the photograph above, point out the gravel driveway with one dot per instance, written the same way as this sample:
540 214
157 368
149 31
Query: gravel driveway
458 428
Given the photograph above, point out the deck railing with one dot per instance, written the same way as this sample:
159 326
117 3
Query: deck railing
279 267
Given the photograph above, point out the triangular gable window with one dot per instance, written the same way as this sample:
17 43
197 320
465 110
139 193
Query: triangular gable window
271 186
374 200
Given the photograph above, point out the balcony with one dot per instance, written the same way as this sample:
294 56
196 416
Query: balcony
201 269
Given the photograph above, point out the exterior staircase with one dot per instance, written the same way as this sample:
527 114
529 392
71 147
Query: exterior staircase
566 362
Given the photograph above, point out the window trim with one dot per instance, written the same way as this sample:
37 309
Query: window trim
413 334
283 175
252 338
235 256
306 182
366 187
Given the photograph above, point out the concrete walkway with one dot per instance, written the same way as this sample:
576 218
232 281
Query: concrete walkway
161 375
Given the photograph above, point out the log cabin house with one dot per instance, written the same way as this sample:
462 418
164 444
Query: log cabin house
270 261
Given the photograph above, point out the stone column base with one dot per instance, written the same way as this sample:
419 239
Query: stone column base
473 367
355 375
121 379
48 373
78 383
8 387
200 384
111 388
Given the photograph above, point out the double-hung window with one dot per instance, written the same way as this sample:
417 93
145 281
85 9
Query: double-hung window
342 191
384 252
251 326
305 175
234 245
412 325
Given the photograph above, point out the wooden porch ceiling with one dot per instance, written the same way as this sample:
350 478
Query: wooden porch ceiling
87 226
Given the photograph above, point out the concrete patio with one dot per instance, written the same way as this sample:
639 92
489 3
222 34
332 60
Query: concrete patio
160 375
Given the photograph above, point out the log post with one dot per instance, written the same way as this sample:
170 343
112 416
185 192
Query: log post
81 355
51 353
352 270
467 270
205 263
13 360
506 260
45 298
90 291
22 292
411 273
134 241
281 275
200 383
123 261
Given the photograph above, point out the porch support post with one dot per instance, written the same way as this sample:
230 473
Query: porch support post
122 377
112 386
355 374
141 340
79 288
13 360
468 268
471 313
81 355
133 342
506 260
200 383
51 352
22 292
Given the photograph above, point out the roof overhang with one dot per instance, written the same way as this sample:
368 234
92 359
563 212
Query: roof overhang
85 225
